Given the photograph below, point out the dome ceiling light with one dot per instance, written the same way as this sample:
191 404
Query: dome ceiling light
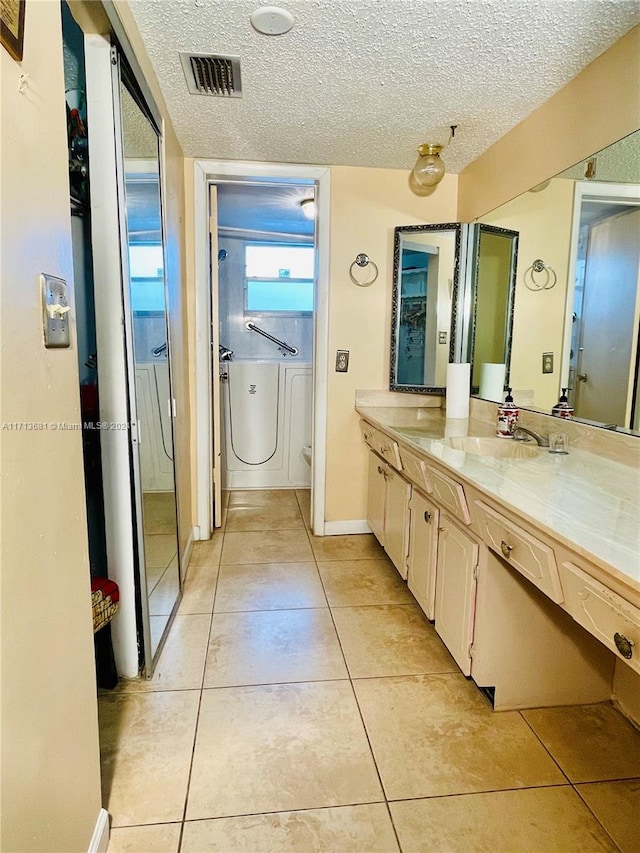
272 20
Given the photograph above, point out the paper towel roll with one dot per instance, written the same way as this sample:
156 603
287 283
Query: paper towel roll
492 381
457 392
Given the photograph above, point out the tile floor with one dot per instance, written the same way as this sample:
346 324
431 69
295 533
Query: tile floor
303 703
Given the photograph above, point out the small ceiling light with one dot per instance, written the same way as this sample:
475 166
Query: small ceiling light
308 206
272 20
429 169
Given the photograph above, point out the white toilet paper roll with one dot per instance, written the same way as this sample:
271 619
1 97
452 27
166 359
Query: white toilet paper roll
492 381
457 391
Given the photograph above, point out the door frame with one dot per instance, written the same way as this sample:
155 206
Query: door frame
586 191
211 171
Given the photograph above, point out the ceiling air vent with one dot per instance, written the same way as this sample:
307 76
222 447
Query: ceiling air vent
212 75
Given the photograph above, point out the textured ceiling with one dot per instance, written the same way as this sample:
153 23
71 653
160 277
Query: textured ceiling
364 82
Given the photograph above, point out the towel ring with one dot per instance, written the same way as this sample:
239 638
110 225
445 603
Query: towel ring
536 268
363 260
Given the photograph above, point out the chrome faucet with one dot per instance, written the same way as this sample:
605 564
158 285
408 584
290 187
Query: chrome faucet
520 433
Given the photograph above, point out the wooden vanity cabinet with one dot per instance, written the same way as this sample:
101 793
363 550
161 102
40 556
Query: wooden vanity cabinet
457 573
424 518
388 510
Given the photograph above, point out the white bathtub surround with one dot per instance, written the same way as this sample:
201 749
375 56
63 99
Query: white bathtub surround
267 419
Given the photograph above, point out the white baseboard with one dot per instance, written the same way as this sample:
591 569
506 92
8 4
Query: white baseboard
100 838
186 555
342 528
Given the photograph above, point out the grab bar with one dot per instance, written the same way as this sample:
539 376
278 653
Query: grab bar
254 328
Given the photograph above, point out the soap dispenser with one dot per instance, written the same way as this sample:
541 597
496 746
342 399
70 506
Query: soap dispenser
507 417
563 408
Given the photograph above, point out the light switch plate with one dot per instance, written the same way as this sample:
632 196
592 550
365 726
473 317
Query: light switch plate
342 360
55 312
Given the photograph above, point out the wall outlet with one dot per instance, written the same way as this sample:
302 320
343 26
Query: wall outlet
547 362
342 360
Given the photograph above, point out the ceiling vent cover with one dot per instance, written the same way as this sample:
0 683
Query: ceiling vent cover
212 75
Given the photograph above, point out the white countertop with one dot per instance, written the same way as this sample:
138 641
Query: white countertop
588 502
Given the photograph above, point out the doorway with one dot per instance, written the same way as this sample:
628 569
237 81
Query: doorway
605 305
313 181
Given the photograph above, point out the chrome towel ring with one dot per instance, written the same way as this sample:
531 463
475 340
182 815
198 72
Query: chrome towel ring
363 260
543 282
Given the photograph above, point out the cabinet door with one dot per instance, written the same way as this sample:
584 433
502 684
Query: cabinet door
396 520
375 497
456 591
423 552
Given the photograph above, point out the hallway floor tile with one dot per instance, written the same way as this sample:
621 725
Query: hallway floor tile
303 703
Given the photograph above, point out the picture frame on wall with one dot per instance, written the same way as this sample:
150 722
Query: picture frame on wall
12 26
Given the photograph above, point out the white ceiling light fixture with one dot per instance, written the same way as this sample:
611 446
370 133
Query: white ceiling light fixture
308 206
429 169
272 20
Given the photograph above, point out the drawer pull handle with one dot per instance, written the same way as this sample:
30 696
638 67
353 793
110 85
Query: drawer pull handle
427 517
380 469
624 645
506 549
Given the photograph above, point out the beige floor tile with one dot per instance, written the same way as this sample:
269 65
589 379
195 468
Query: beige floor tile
159 512
199 589
434 735
165 593
357 547
390 640
349 583
617 807
155 838
264 518
613 743
158 625
267 546
347 829
270 586
207 552
284 498
181 662
160 549
278 748
273 646
536 820
146 744
304 502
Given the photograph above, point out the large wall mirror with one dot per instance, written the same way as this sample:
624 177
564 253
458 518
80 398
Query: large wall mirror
426 269
453 287
576 319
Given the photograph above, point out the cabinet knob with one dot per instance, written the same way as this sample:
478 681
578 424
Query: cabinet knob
380 469
427 517
506 549
624 645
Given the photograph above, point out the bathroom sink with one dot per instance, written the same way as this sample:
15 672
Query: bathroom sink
499 448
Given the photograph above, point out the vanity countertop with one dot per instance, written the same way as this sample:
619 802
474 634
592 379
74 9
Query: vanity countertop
589 503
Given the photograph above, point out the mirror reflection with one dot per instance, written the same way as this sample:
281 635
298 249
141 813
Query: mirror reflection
425 286
582 331
159 565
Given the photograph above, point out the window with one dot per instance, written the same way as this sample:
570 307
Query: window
146 271
279 279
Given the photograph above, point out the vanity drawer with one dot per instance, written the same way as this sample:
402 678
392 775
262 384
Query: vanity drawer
382 444
449 493
415 470
531 557
607 616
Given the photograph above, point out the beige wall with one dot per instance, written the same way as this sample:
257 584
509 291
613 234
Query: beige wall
599 106
543 220
366 205
50 762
